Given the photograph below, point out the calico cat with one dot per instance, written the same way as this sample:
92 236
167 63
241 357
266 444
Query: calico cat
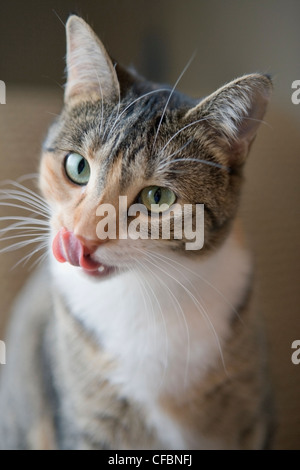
139 343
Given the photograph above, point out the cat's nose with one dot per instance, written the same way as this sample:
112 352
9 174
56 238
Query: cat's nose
89 245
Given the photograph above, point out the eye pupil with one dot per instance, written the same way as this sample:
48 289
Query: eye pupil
81 166
157 196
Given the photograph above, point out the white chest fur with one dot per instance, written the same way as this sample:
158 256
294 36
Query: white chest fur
163 327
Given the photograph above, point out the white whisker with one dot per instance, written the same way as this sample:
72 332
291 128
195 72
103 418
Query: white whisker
180 149
36 197
20 196
27 257
22 244
20 226
28 176
180 310
198 160
181 130
40 259
162 317
102 105
18 206
132 103
194 273
25 219
118 109
150 317
197 304
169 98
22 235
29 230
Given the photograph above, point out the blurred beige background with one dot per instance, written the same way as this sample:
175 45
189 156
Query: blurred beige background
231 38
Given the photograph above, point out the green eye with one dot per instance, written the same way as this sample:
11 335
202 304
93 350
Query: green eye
157 195
77 168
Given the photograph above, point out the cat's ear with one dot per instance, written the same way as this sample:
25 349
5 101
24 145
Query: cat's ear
233 114
89 68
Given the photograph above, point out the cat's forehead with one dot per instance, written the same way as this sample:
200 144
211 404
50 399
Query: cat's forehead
147 110
140 122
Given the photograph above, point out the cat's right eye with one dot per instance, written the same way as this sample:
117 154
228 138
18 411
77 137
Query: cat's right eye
77 168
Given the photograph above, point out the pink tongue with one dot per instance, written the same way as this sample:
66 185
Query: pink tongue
67 247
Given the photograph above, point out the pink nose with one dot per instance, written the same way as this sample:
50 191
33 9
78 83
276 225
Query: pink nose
89 246
67 247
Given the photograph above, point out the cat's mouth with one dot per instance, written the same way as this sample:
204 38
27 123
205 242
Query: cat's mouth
67 247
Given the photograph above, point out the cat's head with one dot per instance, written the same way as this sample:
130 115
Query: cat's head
120 135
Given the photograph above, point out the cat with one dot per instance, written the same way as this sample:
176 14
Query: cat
139 343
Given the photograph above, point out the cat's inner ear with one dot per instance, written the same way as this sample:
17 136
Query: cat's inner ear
89 69
233 114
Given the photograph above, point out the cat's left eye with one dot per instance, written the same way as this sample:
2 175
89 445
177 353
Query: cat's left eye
157 199
77 168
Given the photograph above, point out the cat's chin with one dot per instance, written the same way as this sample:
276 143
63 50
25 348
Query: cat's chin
100 273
